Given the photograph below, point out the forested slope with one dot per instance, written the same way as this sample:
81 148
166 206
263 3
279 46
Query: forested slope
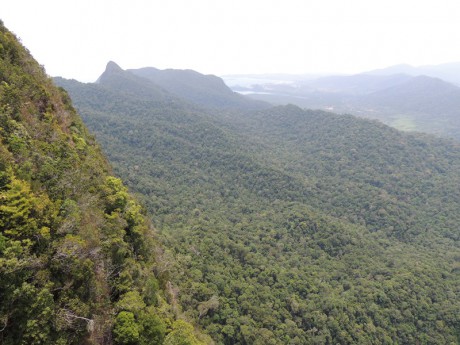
77 255
288 226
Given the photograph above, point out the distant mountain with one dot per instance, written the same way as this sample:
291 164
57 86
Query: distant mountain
115 77
449 72
419 94
422 103
238 81
419 103
356 84
396 69
205 90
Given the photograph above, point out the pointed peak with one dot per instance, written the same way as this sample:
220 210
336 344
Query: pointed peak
112 67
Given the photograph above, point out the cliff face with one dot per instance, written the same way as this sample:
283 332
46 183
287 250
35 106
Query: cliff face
76 253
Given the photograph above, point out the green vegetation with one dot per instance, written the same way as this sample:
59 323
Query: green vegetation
404 123
287 226
77 255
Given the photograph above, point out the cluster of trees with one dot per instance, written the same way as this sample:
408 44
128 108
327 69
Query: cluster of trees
77 254
287 226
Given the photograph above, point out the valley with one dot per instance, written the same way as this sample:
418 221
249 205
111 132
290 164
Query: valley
287 225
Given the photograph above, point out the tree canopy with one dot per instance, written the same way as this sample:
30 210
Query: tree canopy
77 254
290 226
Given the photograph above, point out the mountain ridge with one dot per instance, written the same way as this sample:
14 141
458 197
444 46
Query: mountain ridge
204 90
449 72
78 257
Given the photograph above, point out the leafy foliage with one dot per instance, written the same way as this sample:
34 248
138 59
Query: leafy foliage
77 254
288 226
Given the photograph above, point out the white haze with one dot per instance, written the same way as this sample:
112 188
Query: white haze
75 39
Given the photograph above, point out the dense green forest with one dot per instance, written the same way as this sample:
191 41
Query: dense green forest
289 226
79 262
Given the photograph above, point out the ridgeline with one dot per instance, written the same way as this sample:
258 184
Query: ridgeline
79 261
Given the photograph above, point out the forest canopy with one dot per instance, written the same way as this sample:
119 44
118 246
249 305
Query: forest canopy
289 226
78 257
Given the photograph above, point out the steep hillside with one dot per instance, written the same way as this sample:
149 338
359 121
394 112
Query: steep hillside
77 255
288 226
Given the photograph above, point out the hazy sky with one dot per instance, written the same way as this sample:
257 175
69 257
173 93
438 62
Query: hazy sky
76 39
